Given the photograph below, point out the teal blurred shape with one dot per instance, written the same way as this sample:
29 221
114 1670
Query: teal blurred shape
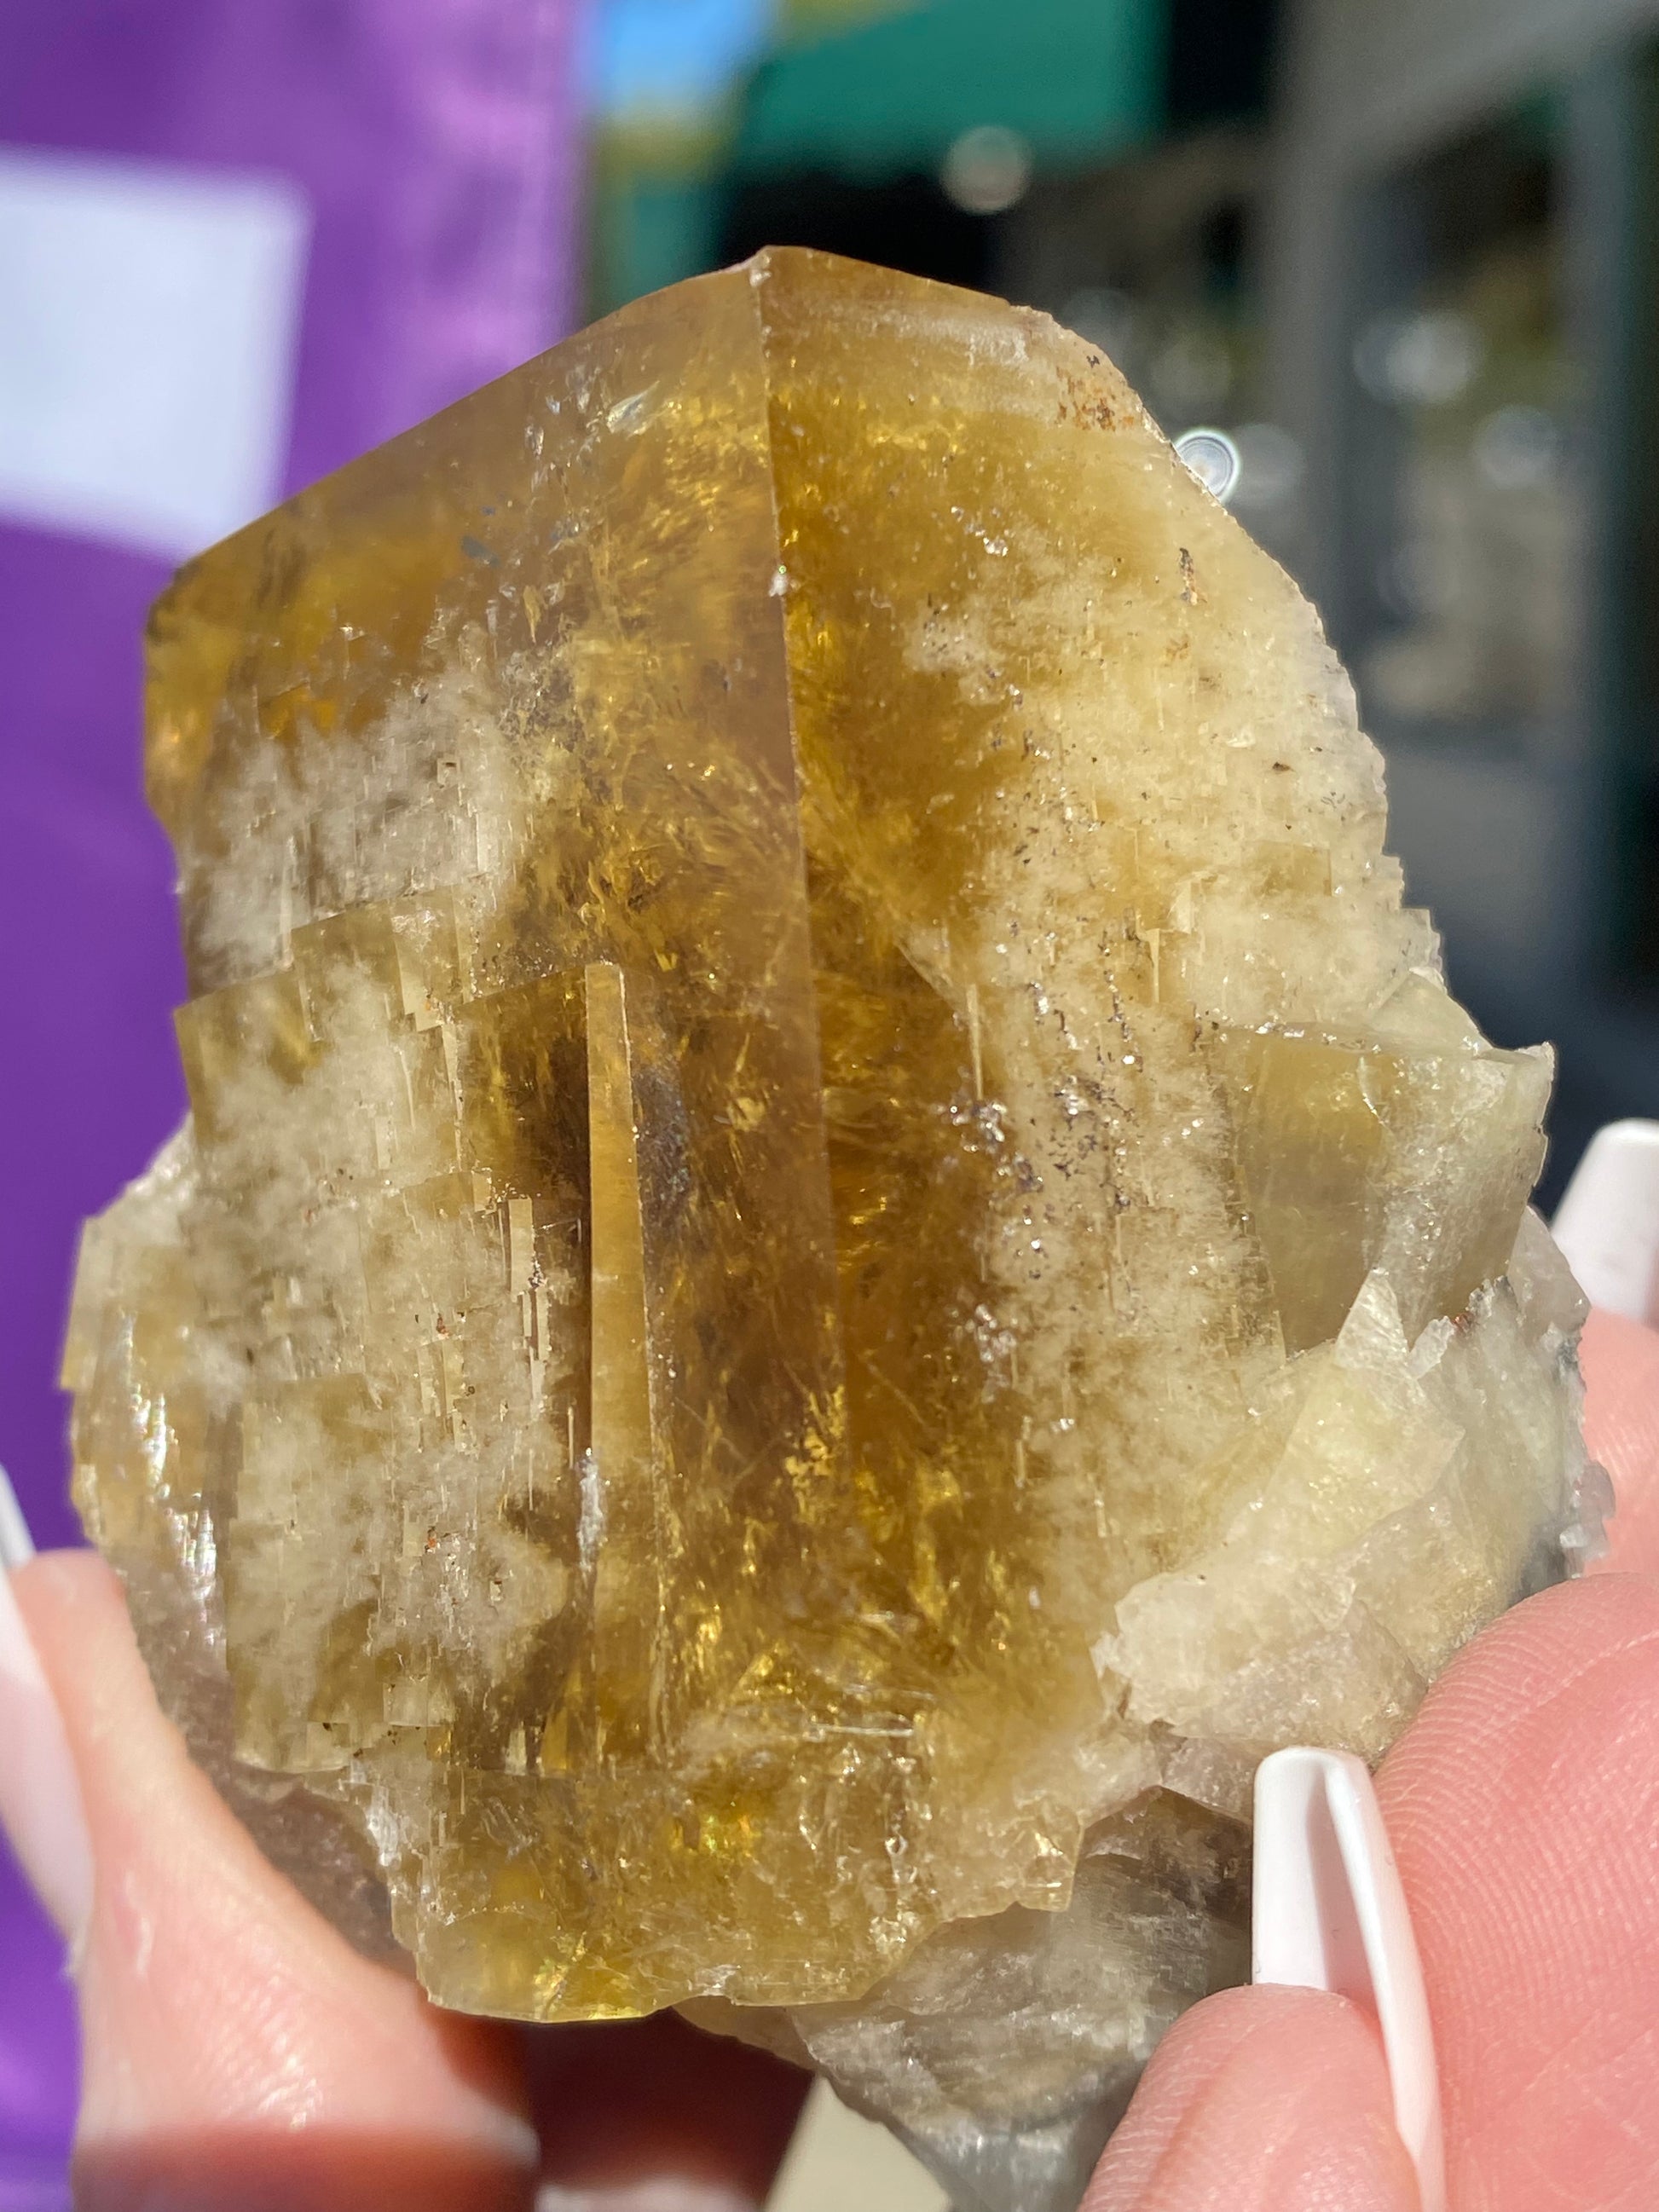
1078 79
662 229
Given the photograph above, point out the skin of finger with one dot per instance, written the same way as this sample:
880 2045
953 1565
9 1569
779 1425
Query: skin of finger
1523 1808
626 2101
1621 1362
216 2005
1260 2100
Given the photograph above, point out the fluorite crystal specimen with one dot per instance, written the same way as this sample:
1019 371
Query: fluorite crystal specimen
837 1246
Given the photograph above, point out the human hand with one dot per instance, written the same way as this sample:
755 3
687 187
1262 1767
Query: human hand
238 2053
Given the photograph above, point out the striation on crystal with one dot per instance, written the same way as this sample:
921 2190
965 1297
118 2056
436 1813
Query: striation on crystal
836 1247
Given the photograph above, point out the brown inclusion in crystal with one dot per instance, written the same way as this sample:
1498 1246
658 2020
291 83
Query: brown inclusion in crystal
833 1226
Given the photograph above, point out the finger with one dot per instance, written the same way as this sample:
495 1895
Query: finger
237 2052
638 2104
1260 2100
1523 1807
1620 1360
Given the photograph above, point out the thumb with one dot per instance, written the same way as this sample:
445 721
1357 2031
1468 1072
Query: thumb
1260 2100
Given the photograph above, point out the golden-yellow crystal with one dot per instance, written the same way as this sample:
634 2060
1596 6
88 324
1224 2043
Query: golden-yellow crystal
836 1242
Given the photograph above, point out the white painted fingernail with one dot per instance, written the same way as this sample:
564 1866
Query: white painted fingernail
16 1545
1607 1224
1329 1914
41 1806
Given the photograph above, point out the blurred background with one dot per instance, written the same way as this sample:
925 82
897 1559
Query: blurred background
1404 253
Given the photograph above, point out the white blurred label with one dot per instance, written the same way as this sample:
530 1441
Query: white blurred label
149 321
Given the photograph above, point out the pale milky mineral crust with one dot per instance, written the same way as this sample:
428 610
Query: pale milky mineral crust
837 1246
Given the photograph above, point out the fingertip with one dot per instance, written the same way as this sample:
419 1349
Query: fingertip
1620 1359
1523 1804
1263 2100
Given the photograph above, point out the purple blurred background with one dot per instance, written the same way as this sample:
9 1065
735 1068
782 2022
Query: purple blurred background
391 186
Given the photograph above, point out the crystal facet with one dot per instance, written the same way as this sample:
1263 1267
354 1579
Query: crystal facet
836 1247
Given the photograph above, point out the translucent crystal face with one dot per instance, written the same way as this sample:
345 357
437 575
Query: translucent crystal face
835 1230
